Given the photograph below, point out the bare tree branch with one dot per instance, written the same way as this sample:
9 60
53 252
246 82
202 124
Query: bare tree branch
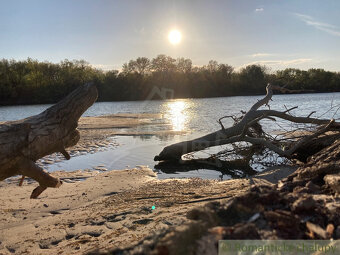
247 129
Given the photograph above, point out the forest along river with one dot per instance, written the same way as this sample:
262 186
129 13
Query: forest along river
193 117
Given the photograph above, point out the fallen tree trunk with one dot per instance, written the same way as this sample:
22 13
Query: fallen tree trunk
243 131
25 141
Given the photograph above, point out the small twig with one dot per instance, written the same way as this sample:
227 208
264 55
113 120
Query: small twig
335 112
281 127
228 116
330 109
288 110
21 180
311 114
219 121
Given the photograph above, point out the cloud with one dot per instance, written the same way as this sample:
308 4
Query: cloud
310 21
259 10
280 63
256 55
296 61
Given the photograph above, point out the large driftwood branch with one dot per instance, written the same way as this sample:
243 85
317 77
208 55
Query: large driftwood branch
25 141
175 151
287 153
238 132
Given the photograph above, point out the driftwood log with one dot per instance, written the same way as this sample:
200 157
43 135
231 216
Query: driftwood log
25 141
247 129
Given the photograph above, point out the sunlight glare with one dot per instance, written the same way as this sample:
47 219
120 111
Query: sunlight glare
177 114
174 36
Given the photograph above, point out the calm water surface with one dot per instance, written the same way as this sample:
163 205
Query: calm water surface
198 116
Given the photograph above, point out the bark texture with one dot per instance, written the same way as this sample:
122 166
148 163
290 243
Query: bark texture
25 141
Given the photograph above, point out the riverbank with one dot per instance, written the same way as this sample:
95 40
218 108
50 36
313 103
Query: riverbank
124 210
100 209
104 211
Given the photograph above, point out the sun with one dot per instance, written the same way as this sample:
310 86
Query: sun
175 37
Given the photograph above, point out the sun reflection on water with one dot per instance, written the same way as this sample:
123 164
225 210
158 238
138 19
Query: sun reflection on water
177 113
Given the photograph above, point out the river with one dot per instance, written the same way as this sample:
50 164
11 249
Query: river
197 116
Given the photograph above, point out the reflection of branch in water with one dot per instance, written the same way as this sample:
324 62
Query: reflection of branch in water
235 169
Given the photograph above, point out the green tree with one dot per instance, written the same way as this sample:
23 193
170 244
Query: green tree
163 63
183 65
252 79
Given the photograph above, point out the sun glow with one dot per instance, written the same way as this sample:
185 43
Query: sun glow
176 112
175 37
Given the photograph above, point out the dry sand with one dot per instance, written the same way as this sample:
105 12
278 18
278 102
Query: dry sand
108 210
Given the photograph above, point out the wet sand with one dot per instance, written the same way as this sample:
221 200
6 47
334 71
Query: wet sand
97 133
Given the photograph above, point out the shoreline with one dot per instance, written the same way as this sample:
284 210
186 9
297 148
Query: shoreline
95 137
102 211
105 211
140 100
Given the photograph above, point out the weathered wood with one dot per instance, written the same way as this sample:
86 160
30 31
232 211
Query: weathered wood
25 141
238 132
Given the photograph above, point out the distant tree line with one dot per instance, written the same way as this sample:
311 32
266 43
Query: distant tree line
34 82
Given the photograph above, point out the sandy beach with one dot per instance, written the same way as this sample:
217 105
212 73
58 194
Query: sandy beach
108 210
169 127
101 210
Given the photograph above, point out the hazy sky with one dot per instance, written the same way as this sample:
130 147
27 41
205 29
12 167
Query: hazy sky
278 33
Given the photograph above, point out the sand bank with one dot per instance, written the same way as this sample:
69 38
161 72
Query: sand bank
106 210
